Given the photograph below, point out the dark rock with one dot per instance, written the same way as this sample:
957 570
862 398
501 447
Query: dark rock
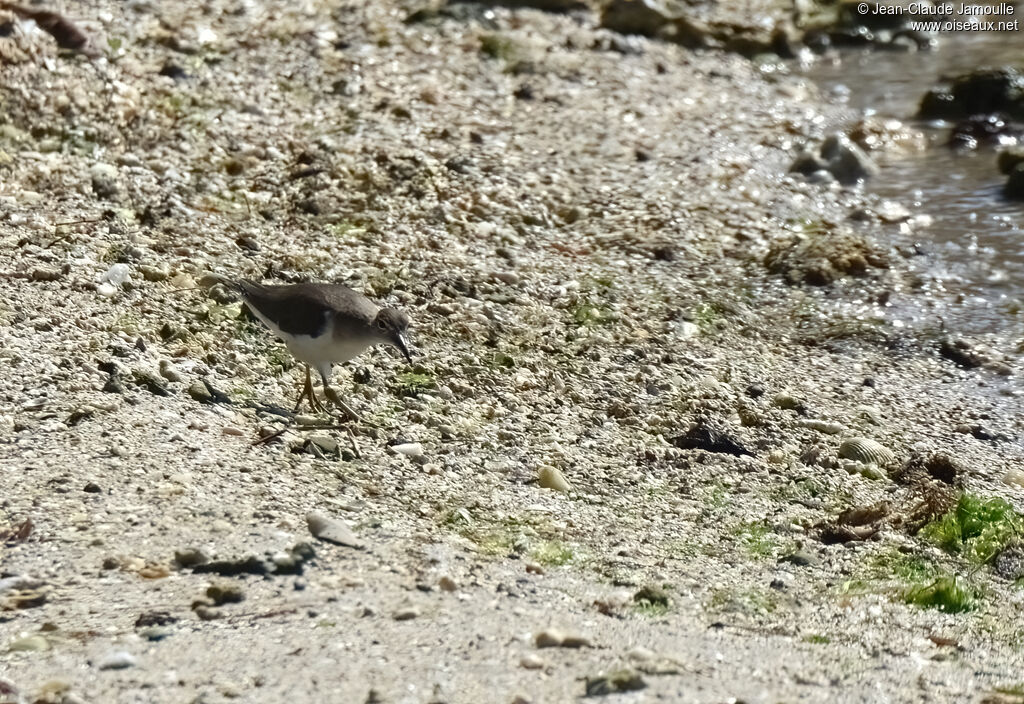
233 568
173 70
645 17
652 18
1009 562
807 163
199 393
225 594
984 91
249 243
190 557
149 382
1014 187
460 165
92 488
104 185
545 5
652 595
961 352
983 130
113 385
289 562
523 92
702 437
838 156
1009 158
846 161
755 391
938 104
310 206
664 253
155 618
853 13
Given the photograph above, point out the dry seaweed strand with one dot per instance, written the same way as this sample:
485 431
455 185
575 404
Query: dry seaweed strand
64 31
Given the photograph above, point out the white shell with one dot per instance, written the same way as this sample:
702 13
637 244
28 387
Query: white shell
867 451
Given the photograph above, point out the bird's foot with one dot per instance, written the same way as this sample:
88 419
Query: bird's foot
334 398
315 404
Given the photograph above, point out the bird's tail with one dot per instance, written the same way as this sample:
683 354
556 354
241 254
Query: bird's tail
208 281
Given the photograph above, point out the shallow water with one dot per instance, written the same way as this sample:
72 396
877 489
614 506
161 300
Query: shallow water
976 245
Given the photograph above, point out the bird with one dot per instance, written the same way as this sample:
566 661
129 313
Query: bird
321 324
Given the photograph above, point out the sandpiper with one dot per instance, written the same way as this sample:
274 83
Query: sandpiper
321 324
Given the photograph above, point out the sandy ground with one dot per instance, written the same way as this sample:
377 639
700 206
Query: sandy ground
578 225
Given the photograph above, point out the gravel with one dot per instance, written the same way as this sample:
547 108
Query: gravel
574 305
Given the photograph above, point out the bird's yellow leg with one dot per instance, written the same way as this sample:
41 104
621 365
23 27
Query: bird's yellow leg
307 393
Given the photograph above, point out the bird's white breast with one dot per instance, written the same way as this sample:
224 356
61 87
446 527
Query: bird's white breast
319 351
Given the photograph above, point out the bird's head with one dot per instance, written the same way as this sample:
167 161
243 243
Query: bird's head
391 326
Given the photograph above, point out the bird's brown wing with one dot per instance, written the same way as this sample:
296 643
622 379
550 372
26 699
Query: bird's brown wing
293 311
304 309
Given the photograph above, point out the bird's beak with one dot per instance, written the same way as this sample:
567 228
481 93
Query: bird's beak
403 346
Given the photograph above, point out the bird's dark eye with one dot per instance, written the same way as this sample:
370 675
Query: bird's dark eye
382 325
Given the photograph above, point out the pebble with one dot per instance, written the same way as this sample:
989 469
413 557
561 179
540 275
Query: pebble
29 644
207 613
448 584
822 426
155 633
325 444
788 401
532 662
199 392
106 290
169 372
232 430
554 638
552 478
154 273
549 638
118 660
1014 477
409 449
406 614
226 593
332 530
104 181
190 557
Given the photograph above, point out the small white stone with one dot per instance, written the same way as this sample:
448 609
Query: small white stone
409 449
119 660
531 662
